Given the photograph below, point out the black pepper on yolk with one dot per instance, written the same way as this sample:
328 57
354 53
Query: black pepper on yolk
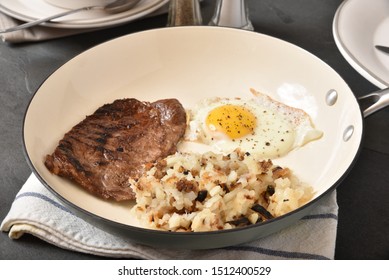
232 120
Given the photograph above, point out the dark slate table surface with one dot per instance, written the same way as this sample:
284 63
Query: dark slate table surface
363 197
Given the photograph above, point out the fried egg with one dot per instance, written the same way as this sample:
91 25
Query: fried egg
259 125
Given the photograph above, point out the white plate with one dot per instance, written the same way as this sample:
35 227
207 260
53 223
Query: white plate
190 64
28 10
358 26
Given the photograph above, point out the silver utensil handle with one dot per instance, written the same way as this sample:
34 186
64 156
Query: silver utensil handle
384 49
380 100
47 19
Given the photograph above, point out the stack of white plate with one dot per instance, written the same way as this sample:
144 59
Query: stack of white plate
358 26
28 10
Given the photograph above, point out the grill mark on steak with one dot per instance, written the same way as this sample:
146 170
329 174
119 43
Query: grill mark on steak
108 147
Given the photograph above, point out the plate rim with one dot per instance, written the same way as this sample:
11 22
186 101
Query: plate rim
348 55
121 19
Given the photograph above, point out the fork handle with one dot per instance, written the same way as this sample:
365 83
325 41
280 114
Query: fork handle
47 19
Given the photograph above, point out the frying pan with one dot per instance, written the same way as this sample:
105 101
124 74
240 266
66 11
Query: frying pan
190 64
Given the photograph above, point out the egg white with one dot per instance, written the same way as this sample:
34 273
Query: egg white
279 128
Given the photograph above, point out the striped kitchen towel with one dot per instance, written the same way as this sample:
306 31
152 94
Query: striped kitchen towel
36 211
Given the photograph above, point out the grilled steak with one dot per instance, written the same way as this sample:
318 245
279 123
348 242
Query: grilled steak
108 147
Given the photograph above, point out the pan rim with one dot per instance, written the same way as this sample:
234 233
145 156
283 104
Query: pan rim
116 224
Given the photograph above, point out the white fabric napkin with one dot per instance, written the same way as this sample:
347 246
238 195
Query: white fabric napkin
41 33
36 211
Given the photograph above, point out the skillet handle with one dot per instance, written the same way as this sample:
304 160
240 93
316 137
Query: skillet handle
375 101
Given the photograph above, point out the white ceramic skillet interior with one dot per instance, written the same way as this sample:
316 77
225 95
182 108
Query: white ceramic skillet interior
192 63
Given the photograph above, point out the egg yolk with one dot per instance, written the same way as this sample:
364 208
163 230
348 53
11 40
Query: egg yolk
232 120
